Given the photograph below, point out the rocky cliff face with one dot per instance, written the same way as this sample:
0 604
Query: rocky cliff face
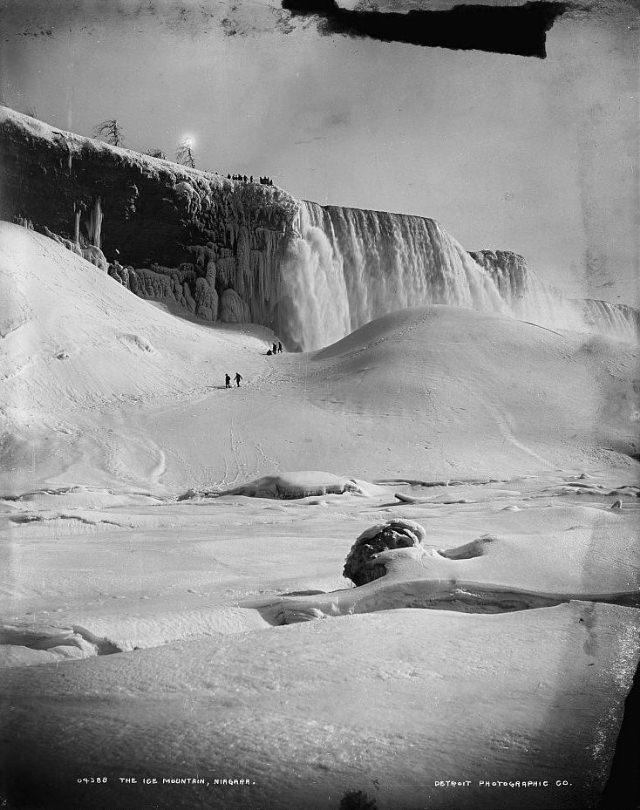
167 231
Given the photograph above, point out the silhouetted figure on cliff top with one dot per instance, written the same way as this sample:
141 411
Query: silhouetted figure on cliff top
227 381
279 347
275 349
238 378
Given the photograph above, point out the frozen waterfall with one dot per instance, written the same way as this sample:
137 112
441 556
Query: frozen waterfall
346 266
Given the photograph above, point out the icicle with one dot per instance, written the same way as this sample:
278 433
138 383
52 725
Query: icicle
95 223
76 232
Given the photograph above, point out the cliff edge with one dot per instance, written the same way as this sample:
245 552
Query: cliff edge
168 231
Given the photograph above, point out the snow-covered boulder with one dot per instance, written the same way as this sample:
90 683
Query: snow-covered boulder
361 566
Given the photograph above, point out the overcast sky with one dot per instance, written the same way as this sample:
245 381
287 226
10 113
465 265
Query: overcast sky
539 156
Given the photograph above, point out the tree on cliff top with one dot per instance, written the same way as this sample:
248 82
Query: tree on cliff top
110 131
156 153
184 154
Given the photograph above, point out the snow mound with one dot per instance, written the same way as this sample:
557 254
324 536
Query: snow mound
295 485
475 382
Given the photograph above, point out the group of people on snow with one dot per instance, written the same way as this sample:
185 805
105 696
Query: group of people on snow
227 380
242 178
276 348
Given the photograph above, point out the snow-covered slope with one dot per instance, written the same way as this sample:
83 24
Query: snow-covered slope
100 387
76 344
111 406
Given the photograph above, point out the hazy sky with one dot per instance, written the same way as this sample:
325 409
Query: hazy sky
537 156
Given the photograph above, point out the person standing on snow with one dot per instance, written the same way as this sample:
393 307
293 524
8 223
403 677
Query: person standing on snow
238 378
227 381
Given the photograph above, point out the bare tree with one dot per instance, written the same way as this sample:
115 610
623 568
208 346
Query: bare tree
110 131
184 154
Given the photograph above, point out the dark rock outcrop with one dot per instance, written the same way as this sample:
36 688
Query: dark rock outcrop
150 215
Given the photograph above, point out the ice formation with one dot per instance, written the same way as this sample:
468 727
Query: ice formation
246 252
530 299
346 267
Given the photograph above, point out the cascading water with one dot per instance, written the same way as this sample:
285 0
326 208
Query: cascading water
531 300
528 298
314 299
617 320
346 266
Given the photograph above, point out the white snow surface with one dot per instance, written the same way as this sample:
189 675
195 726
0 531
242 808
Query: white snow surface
215 637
